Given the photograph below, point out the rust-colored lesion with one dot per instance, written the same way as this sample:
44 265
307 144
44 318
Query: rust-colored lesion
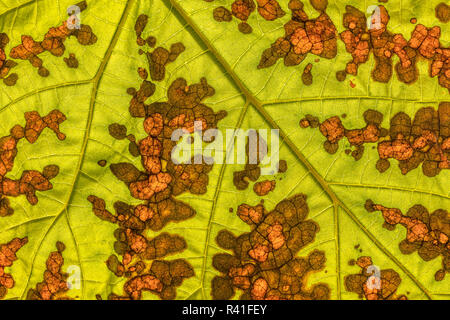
263 188
264 264
302 37
8 254
372 283
360 41
242 10
270 9
53 42
6 64
157 59
424 140
54 285
427 233
31 180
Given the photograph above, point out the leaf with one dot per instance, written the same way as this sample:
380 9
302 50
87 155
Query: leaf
93 96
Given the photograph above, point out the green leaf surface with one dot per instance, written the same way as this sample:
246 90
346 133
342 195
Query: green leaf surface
94 95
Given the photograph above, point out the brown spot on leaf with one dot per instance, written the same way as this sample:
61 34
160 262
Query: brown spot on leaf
160 57
307 77
302 36
11 80
423 140
264 263
31 180
341 75
263 188
222 14
319 5
102 163
427 233
71 61
139 27
117 131
282 166
371 286
245 28
53 42
54 285
242 9
270 9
